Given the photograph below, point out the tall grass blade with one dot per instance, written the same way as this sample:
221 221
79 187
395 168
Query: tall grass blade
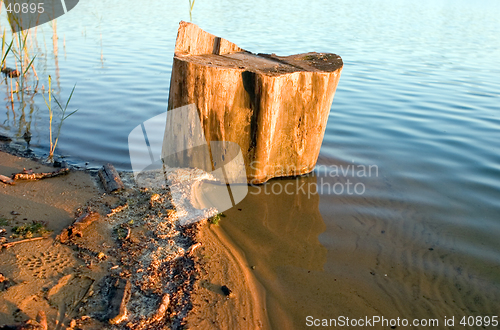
29 65
7 52
53 144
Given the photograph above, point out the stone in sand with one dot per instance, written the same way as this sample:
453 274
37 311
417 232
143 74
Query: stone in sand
226 290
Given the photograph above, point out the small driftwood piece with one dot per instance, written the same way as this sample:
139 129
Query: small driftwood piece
41 318
8 245
5 138
77 228
30 175
6 180
162 308
120 295
5 283
193 247
117 209
110 178
12 73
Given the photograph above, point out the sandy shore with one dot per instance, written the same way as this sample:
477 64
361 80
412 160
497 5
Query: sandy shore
135 255
32 267
221 263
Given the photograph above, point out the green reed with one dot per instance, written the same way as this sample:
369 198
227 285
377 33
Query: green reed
63 116
5 53
21 54
18 47
26 81
191 6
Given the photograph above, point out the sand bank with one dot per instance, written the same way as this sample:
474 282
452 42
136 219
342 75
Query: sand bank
170 285
222 263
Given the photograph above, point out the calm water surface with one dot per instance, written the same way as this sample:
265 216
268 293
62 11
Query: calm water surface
419 98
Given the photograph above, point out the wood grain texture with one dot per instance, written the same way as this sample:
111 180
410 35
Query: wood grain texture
275 107
110 179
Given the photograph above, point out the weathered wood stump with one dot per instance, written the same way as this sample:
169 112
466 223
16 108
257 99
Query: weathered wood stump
275 107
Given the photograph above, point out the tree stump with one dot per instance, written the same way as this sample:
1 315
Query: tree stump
274 107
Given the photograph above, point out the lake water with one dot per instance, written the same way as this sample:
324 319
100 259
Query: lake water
418 103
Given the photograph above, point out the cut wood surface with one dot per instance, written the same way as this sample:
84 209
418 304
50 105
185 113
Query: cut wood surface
110 178
194 41
275 107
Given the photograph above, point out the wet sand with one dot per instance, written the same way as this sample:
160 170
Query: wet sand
34 266
53 200
222 263
328 256
283 256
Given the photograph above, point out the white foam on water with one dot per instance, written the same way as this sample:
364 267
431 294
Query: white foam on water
181 182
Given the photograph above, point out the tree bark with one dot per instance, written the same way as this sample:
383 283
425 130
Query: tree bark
275 107
110 179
